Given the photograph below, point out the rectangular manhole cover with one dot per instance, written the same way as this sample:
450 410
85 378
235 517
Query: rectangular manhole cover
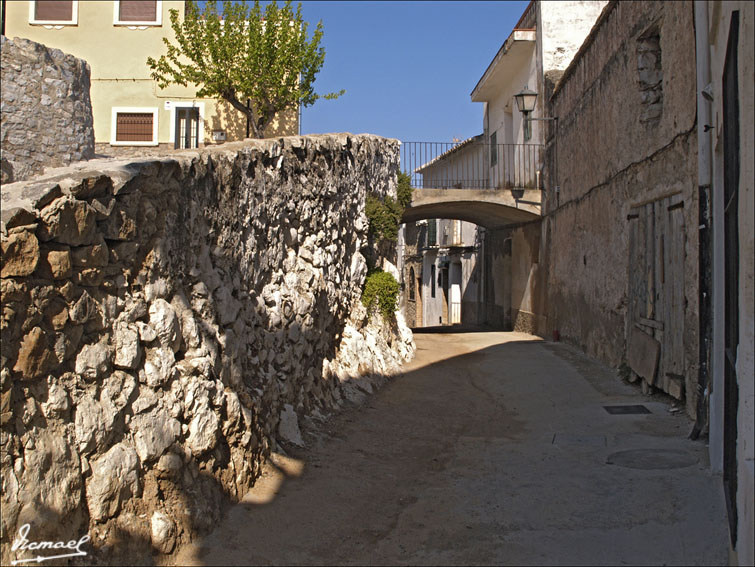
625 410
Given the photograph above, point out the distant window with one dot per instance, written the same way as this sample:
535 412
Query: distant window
57 12
432 280
411 284
432 232
134 127
493 149
138 12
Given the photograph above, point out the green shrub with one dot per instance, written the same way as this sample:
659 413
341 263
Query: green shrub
404 190
381 288
385 216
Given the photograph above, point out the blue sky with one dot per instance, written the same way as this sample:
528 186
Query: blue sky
407 67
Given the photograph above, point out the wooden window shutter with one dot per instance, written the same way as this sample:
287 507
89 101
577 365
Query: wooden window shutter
134 127
138 11
53 10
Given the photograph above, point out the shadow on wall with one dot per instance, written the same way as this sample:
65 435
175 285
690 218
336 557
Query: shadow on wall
170 317
233 122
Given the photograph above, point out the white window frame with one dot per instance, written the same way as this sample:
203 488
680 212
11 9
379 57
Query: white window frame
125 109
186 104
74 21
158 16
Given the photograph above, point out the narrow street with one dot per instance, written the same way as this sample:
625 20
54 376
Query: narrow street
493 448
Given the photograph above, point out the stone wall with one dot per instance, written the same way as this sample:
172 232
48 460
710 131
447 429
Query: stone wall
168 321
46 111
626 145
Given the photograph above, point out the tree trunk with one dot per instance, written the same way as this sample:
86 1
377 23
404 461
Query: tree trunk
249 112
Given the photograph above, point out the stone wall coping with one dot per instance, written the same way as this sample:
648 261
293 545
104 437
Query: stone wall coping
23 197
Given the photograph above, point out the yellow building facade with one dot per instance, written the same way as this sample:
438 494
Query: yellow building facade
128 107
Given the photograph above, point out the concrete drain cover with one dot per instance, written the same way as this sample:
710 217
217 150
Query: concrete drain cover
652 459
624 410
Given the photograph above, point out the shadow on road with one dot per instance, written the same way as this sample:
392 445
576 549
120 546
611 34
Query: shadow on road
486 457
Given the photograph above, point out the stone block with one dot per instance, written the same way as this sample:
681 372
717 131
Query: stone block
288 427
127 347
93 362
203 430
20 254
55 262
68 221
153 433
91 256
115 478
120 225
35 357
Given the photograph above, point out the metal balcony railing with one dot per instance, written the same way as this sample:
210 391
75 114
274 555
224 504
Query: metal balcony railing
472 164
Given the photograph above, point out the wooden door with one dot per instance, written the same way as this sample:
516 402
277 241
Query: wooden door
656 286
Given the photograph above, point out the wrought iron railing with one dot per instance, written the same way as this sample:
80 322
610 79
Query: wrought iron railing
472 165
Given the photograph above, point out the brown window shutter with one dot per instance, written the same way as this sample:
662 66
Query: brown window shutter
53 10
138 11
134 127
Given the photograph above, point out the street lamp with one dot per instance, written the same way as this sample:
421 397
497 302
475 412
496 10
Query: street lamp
525 102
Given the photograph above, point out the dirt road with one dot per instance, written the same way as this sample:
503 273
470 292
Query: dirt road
494 448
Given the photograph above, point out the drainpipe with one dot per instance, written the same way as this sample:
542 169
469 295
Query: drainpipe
705 255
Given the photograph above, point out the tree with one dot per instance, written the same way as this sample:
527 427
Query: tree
267 59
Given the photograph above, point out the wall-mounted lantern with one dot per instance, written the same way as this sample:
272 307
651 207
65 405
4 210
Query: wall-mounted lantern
525 102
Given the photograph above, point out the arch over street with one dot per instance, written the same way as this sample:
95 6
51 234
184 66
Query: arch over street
488 208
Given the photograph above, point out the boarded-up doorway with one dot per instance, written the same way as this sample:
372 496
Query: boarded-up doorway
656 293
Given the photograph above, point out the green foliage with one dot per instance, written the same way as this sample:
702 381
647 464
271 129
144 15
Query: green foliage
381 288
404 189
244 54
385 216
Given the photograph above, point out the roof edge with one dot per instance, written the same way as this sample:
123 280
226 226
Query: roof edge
515 35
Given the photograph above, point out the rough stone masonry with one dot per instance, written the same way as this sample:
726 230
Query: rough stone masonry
46 113
167 321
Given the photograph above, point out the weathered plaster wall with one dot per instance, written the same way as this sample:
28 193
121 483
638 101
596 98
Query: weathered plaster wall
525 281
496 269
564 26
618 146
46 113
167 321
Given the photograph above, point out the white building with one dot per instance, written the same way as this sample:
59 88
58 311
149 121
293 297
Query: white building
457 283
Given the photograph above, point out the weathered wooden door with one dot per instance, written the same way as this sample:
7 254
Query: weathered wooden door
656 288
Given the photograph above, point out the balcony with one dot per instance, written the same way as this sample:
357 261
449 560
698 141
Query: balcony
472 164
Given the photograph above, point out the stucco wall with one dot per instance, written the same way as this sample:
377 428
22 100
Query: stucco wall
167 321
46 111
610 158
